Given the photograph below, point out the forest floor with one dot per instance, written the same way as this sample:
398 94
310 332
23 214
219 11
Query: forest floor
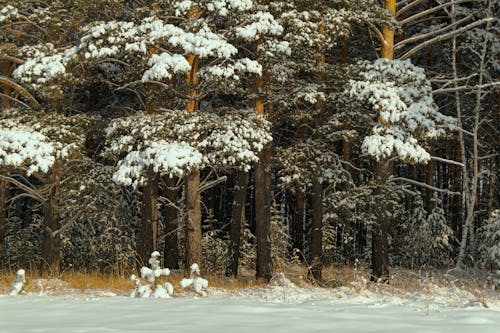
346 302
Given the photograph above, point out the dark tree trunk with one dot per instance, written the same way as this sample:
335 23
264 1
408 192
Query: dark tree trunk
193 219
237 220
51 244
298 221
317 230
148 232
171 249
380 231
263 215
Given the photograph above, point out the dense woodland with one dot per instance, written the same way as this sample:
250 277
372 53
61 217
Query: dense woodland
247 134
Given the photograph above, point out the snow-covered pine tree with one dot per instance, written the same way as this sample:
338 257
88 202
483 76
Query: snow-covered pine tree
488 240
41 144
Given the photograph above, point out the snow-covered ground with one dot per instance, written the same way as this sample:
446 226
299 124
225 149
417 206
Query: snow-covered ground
280 308
216 314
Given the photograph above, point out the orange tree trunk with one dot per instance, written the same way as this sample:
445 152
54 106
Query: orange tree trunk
192 181
264 267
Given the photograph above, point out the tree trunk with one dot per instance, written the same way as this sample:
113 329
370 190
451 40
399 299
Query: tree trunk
237 221
148 232
380 231
3 216
51 244
298 221
171 249
317 230
193 219
263 215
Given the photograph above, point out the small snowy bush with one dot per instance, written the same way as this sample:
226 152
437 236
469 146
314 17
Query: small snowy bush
17 286
195 280
153 289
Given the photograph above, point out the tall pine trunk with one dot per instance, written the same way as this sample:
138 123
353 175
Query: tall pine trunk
171 241
298 220
148 232
317 229
237 221
51 243
193 218
263 215
380 232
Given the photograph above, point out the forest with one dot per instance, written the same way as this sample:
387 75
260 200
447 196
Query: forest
249 135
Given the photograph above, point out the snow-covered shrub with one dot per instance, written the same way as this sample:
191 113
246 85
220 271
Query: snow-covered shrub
17 286
195 280
103 235
215 252
22 239
439 236
152 289
422 238
248 252
489 241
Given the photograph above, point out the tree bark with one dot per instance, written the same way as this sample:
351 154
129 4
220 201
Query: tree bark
263 215
171 248
298 220
193 219
51 244
380 230
317 230
148 232
3 215
237 221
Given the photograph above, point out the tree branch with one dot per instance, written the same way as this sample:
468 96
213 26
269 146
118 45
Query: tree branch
432 10
429 34
427 186
450 34
466 87
211 184
444 160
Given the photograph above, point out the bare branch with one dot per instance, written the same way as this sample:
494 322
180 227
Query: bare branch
408 7
211 184
444 160
15 100
450 34
432 10
466 87
12 59
11 84
427 186
429 34
33 192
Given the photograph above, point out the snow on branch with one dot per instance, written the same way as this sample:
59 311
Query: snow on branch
174 142
401 96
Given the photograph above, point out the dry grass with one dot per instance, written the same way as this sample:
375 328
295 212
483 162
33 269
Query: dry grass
403 281
120 283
